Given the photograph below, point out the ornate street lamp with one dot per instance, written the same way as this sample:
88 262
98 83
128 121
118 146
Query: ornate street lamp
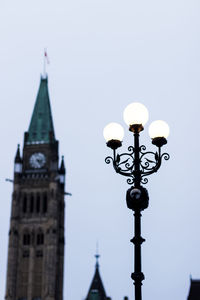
137 165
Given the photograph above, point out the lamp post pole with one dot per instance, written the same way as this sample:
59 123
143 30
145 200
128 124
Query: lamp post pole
137 240
137 164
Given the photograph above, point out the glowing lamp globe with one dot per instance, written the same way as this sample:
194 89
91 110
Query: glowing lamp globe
136 114
159 131
113 134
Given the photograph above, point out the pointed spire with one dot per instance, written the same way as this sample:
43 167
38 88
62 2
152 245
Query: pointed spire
62 166
96 290
62 172
18 161
17 156
41 128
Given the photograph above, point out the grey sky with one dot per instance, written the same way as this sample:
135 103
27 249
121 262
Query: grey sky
103 55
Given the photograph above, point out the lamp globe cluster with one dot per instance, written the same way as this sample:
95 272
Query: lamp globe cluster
136 116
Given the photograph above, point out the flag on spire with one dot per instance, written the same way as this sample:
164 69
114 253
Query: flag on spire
46 61
46 56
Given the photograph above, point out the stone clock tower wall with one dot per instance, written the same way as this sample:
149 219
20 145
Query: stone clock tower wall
36 235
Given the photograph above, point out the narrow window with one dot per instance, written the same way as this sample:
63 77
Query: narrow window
32 203
45 203
24 203
38 203
26 239
40 239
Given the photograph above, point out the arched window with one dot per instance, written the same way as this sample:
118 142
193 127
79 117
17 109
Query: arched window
45 202
26 239
38 203
32 203
24 203
40 238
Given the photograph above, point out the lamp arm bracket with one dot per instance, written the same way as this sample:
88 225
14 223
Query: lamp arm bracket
123 163
116 165
149 167
149 163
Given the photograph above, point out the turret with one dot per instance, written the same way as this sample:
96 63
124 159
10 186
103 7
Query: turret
18 161
96 290
62 171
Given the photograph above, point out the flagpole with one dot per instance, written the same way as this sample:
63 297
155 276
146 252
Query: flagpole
44 65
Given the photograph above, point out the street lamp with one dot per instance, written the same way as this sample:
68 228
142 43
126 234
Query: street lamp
137 165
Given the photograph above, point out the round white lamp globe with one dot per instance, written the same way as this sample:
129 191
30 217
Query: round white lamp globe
113 131
136 114
159 129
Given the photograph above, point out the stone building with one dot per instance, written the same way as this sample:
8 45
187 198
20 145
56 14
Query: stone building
36 235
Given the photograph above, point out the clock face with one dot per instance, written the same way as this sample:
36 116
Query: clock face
37 160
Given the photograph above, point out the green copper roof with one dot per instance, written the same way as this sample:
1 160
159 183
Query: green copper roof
41 126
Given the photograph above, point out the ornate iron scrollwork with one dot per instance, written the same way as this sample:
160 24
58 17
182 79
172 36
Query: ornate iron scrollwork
149 163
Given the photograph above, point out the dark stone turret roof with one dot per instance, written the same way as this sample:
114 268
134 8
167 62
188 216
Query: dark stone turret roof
17 156
41 126
62 166
194 293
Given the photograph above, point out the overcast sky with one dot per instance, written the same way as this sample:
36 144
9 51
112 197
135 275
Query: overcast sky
103 55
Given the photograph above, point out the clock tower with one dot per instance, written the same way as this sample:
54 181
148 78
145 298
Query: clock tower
36 235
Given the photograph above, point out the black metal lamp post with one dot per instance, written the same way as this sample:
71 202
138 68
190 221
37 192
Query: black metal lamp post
137 165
